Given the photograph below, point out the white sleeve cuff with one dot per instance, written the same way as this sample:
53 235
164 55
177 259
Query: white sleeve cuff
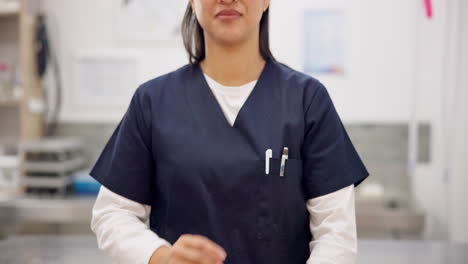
122 230
150 246
333 225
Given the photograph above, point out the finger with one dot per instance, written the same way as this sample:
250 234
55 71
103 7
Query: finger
178 256
210 247
195 255
182 261
205 244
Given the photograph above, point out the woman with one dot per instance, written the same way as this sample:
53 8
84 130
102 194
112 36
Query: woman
232 158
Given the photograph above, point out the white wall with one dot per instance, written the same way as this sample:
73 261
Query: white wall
430 60
396 71
87 25
459 143
381 38
440 84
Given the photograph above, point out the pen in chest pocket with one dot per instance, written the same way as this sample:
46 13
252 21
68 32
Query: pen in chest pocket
268 155
284 157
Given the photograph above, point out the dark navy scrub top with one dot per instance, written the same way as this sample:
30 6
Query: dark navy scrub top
175 150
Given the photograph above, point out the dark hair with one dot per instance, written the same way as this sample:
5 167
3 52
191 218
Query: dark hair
194 39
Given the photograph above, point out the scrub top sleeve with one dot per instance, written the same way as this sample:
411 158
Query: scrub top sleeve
126 165
330 160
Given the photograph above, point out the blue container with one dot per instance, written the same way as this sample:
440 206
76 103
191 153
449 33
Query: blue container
83 183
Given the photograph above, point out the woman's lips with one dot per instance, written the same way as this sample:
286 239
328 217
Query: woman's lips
228 14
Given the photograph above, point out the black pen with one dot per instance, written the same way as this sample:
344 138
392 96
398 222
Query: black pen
284 157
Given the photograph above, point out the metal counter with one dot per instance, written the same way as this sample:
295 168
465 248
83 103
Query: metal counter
83 249
402 223
51 250
24 215
73 209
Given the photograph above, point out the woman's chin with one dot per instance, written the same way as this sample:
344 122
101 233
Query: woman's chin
230 39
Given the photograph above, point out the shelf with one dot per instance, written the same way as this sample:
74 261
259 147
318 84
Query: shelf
11 9
18 21
9 161
9 102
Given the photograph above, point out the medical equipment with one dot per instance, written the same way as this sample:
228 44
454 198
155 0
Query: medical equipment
49 164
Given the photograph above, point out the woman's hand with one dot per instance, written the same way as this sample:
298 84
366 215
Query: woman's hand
190 249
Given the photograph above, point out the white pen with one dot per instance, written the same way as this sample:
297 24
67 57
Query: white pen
284 157
268 155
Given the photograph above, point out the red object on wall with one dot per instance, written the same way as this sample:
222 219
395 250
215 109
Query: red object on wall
428 7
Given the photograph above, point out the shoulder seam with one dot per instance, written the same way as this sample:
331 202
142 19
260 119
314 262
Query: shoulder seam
320 86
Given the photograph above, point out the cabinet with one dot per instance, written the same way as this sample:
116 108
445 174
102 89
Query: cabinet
21 116
22 105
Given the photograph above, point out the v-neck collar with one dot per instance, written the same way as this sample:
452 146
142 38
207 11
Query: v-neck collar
231 90
212 103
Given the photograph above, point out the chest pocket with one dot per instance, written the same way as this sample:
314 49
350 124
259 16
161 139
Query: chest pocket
288 208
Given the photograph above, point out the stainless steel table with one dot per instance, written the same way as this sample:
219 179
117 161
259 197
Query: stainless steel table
51 250
83 249
373 220
72 209
22 214
411 252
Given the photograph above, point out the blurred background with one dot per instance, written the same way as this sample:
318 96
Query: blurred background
397 72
